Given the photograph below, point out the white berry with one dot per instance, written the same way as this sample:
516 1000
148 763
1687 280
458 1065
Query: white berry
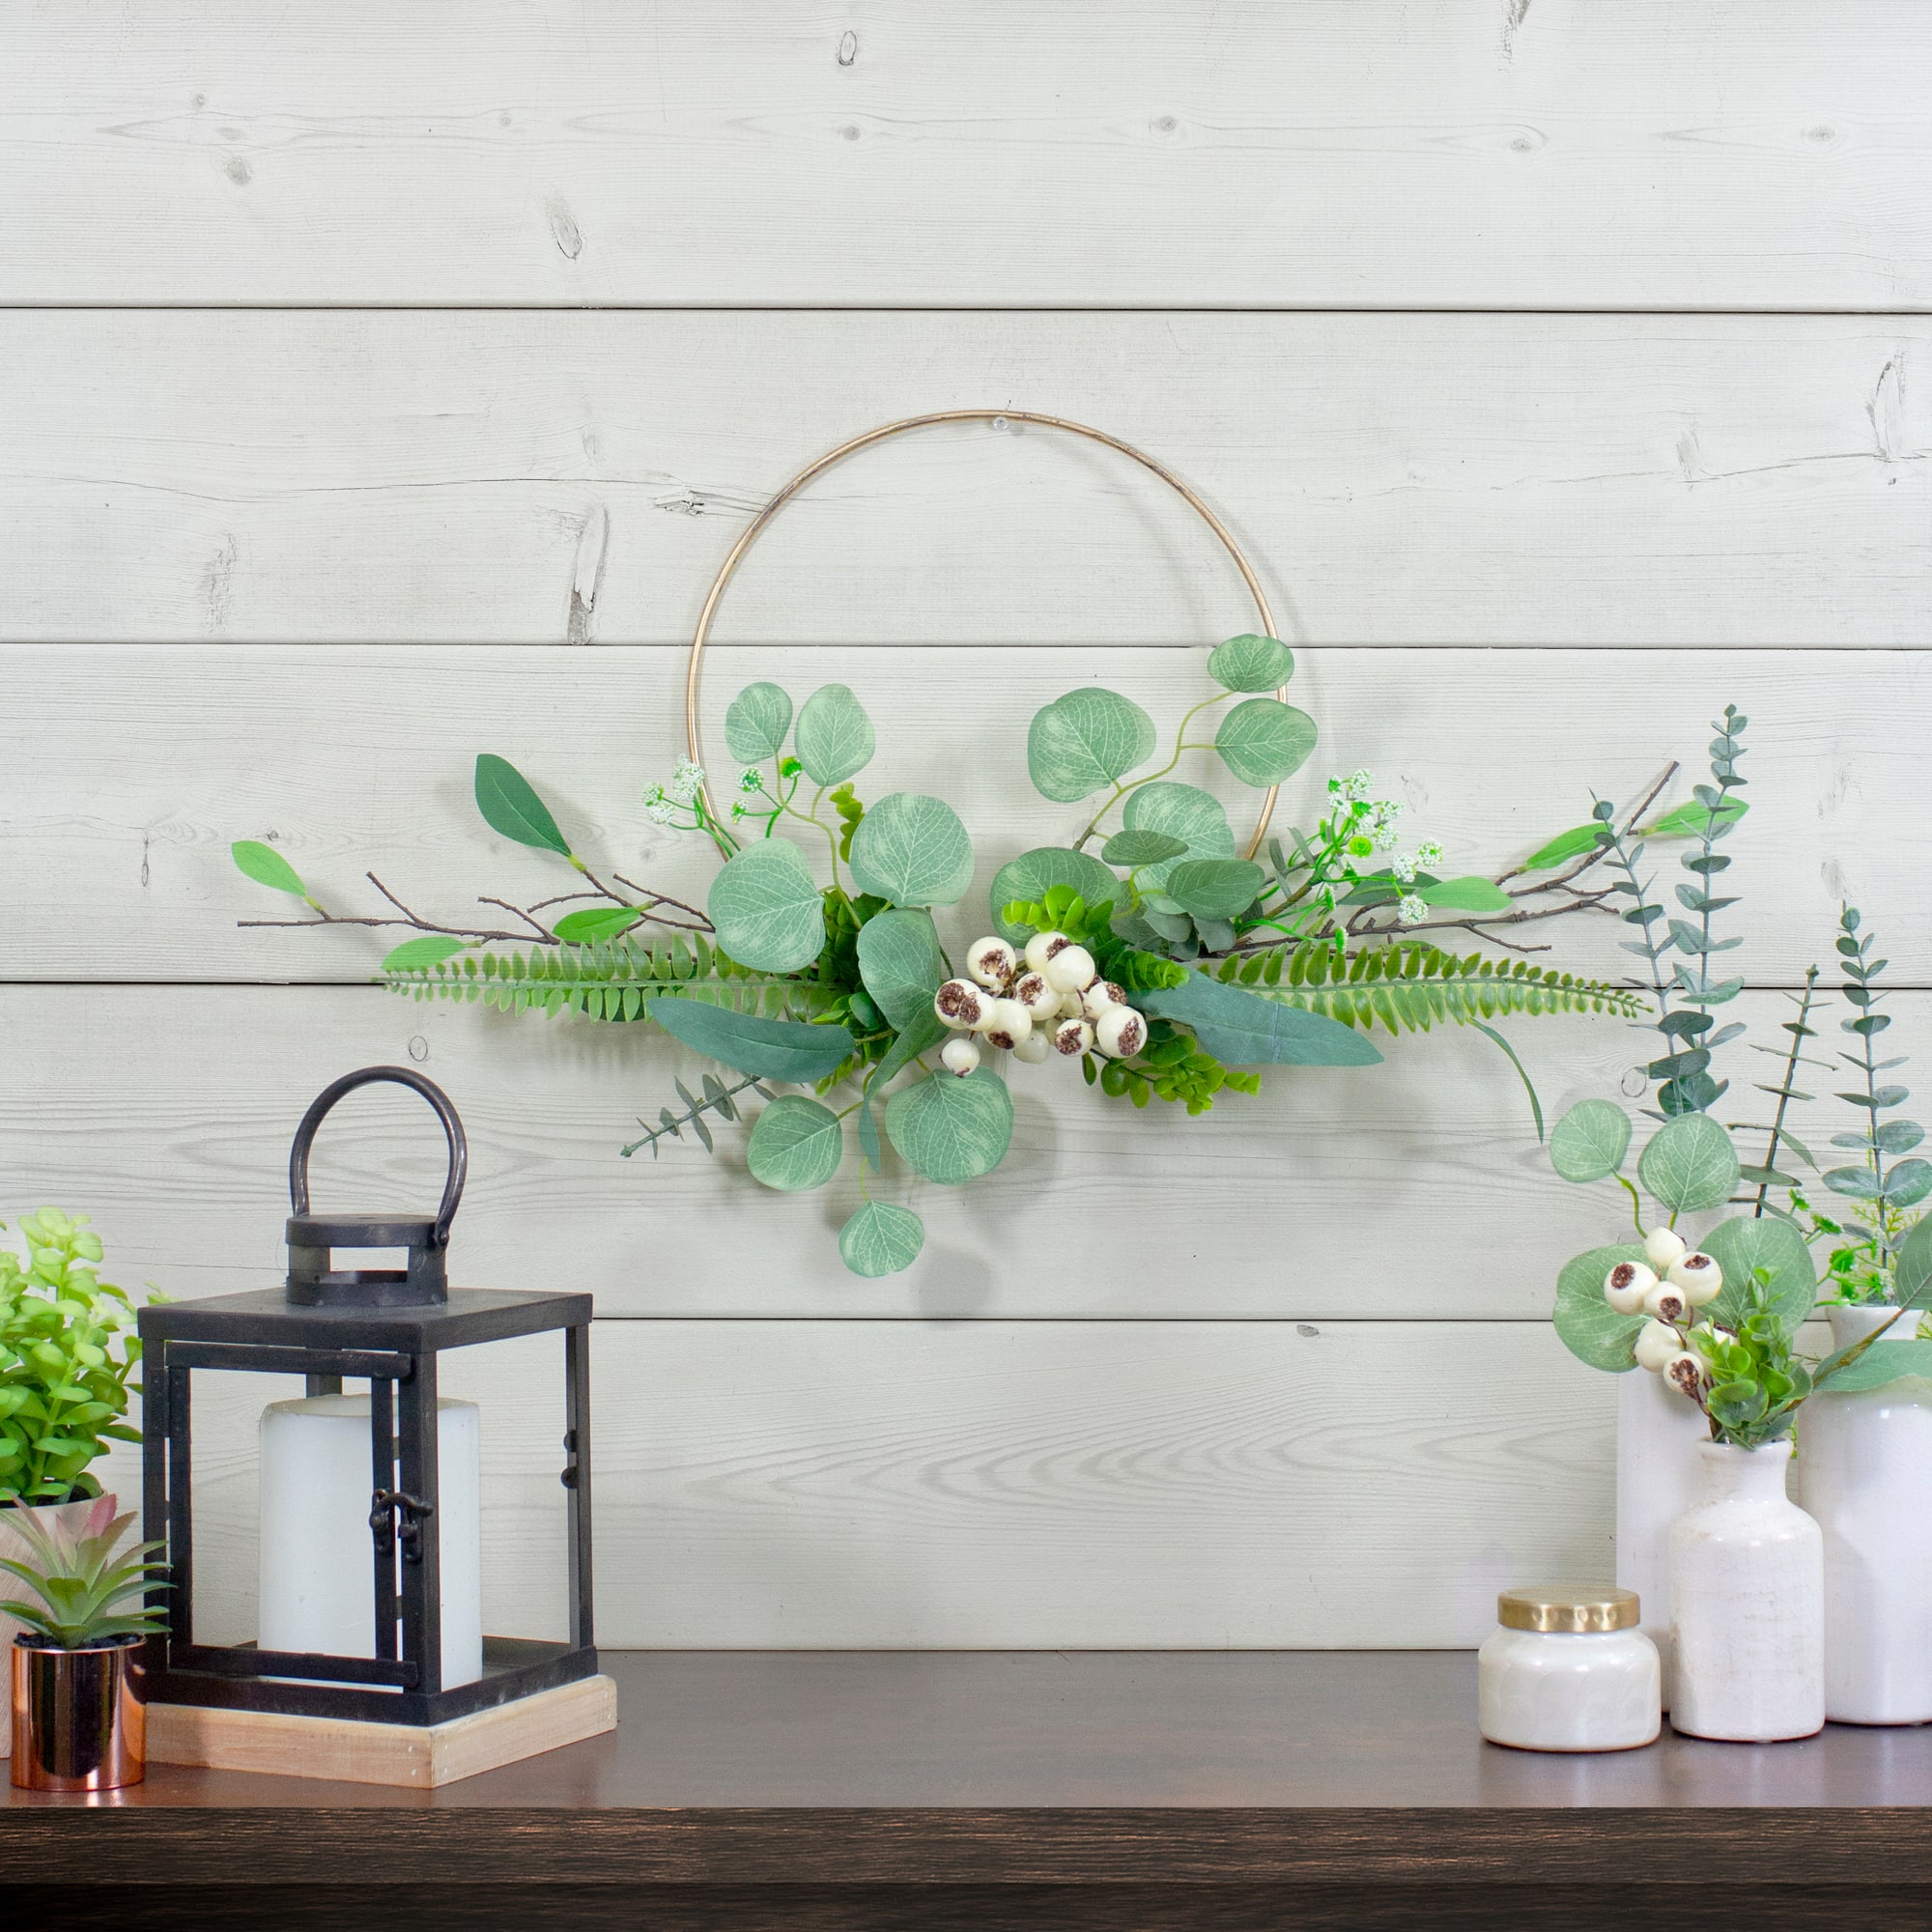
1101 995
1072 1037
960 1056
1033 992
1120 1033
1625 1286
1685 1373
1700 1277
1008 1023
1663 1245
1667 1303
960 1004
1041 948
1657 1344
991 963
1034 1048
1071 969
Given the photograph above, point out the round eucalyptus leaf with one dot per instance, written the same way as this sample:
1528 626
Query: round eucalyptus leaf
913 850
900 961
1587 1326
1081 743
1590 1141
1027 879
1215 889
1264 741
1908 1183
834 736
757 721
1183 811
1771 1249
795 1144
767 908
1251 662
1689 1164
1142 848
881 1238
950 1130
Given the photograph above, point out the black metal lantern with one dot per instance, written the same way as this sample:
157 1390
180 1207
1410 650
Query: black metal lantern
386 1327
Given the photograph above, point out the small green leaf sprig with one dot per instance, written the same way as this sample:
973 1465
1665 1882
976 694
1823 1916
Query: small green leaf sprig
68 1353
88 1583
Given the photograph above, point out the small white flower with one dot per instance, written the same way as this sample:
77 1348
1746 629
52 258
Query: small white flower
682 790
1657 1344
1663 1246
1625 1286
1429 853
1413 910
1403 870
1361 784
1385 837
1698 1276
751 778
659 811
960 1054
1334 788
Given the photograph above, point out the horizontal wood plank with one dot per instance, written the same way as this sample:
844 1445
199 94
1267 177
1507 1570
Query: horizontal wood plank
146 764
997 1485
1400 479
1658 154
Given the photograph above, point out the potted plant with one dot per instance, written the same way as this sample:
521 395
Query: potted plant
68 1353
78 1721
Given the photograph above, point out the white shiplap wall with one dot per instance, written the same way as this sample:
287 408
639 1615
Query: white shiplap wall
379 388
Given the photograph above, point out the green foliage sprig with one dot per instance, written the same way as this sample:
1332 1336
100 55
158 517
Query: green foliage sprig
86 1582
67 1352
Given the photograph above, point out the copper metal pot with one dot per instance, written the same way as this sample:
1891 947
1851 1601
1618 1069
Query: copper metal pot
79 1722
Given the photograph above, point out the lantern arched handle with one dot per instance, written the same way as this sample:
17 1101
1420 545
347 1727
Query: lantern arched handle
400 1076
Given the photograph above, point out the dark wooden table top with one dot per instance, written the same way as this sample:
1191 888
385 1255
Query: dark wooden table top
1034 1769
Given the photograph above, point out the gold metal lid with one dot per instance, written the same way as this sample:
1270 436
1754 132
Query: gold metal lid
1578 1609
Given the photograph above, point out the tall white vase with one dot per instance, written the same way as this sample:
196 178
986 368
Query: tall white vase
1658 1477
1864 1472
1748 1603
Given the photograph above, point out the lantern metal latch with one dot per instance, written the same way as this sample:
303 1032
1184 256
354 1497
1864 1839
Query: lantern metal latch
395 1516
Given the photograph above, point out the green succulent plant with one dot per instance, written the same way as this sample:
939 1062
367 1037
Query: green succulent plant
89 1582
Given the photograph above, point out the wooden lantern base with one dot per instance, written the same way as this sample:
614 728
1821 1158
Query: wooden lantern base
421 1756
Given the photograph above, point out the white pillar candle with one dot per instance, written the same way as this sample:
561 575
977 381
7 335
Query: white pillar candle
317 1580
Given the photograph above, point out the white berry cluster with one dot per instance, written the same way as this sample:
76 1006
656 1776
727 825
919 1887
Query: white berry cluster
1049 1000
1690 1280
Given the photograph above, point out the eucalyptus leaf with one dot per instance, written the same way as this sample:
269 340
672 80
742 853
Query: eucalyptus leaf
1215 889
1689 1164
1084 741
1243 1029
1264 741
1251 662
757 721
1142 848
509 805
1769 1244
950 1130
881 1238
266 867
796 1143
901 963
414 956
585 927
1466 895
1590 1141
834 736
924 1032
1586 1325
913 850
1027 880
1908 1183
766 1049
767 908
1885 1362
1183 811
868 1135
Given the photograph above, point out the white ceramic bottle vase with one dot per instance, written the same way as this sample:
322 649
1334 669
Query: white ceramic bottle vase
1748 1603
1658 1477
1865 1473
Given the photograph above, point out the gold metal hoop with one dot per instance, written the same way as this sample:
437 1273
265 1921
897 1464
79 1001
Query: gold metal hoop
890 429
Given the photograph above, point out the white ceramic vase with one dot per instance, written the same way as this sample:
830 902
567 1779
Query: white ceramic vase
1658 1477
1748 1603
1865 1473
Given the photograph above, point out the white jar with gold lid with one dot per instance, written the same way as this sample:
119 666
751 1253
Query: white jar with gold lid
1569 1671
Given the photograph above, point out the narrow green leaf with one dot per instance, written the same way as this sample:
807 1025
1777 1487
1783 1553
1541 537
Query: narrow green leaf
595 922
1247 1029
414 956
768 1049
1689 822
509 805
1466 895
1564 847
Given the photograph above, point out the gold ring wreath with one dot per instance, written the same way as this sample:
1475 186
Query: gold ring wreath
871 435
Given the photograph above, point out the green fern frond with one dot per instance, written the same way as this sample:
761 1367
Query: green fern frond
1411 987
612 980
